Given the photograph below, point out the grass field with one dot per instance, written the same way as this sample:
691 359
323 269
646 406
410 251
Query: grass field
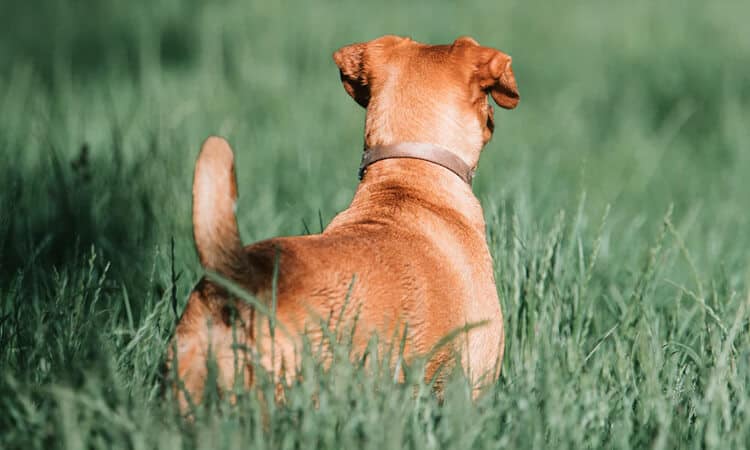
616 198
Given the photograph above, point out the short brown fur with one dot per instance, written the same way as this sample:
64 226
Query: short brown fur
413 238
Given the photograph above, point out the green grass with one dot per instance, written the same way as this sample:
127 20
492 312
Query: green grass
616 199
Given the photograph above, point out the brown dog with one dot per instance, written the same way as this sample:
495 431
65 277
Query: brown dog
409 254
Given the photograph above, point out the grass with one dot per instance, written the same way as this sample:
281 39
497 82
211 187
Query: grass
615 198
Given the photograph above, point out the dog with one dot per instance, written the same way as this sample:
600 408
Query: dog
407 260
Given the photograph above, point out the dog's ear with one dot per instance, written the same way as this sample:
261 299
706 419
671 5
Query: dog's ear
494 73
354 62
350 60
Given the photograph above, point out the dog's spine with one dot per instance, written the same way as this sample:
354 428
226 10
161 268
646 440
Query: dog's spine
217 237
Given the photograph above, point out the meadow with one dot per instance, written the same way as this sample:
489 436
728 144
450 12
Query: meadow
616 199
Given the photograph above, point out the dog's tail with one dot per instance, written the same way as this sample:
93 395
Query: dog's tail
217 237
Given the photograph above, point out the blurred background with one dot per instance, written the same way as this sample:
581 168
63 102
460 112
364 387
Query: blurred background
630 112
638 104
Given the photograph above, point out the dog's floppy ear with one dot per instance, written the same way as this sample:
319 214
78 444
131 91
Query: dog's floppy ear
350 60
496 76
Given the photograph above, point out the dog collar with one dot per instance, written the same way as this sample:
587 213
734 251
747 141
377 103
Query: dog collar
417 150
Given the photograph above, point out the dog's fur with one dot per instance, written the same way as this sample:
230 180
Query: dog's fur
413 239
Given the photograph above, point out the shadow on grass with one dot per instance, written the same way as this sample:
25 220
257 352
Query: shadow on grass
58 209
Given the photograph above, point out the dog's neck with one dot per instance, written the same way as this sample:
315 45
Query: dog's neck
415 117
396 187
431 153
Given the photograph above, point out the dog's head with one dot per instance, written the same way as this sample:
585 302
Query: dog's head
415 92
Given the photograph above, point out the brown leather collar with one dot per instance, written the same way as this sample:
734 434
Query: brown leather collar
418 150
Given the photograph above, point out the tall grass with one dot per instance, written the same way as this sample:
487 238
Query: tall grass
615 198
